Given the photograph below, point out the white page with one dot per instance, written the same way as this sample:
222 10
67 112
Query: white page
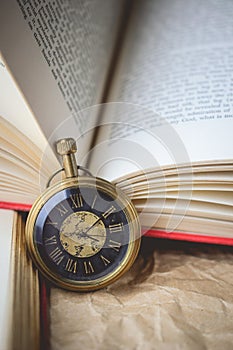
6 224
190 225
177 61
14 108
59 53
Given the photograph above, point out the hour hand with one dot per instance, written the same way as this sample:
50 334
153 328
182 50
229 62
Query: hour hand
84 234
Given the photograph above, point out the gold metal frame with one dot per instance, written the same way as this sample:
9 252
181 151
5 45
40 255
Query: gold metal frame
134 228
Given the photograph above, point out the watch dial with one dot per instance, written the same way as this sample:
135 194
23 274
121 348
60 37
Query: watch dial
82 234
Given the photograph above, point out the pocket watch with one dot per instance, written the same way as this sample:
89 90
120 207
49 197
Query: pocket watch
83 232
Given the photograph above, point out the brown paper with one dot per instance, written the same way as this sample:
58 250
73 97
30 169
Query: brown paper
176 296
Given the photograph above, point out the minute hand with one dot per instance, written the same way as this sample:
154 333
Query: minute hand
89 228
84 234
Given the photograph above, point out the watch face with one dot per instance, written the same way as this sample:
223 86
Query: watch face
85 235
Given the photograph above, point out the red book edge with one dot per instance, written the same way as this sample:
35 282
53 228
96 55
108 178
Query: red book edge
189 237
179 236
15 206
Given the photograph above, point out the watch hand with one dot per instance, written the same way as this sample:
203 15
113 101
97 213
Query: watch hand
89 228
96 235
72 235
84 234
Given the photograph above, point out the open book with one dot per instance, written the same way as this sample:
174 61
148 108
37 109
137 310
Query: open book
146 89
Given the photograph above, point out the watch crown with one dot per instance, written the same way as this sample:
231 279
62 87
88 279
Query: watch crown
66 146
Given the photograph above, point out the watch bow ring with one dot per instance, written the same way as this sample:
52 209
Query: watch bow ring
83 232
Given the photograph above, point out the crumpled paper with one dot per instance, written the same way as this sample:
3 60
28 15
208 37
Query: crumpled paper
176 296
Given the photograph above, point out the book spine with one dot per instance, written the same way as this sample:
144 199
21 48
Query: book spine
44 314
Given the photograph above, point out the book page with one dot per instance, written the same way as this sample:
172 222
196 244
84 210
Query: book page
18 113
59 54
177 64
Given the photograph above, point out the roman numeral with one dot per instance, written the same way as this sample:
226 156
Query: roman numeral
49 222
71 266
56 256
116 227
77 200
114 245
88 267
105 260
94 200
109 212
62 209
50 240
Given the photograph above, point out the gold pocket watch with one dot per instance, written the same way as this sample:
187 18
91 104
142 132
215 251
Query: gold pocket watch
83 232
